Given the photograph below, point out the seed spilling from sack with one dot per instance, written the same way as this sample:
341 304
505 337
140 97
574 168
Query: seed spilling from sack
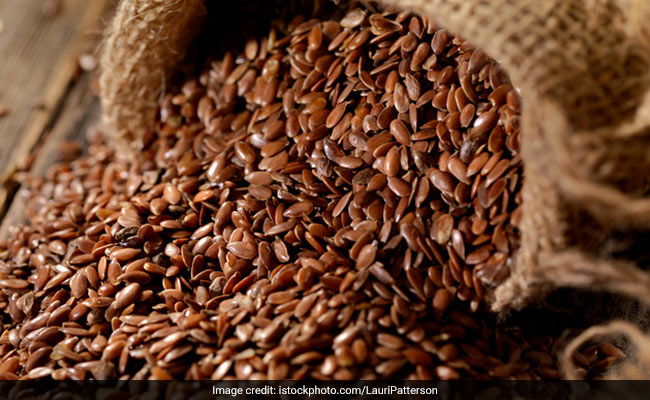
328 204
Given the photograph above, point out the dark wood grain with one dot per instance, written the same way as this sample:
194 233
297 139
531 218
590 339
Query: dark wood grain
80 111
38 69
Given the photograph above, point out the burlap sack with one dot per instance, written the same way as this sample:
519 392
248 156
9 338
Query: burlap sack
583 70
143 44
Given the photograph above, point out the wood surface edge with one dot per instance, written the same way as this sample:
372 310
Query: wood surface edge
65 78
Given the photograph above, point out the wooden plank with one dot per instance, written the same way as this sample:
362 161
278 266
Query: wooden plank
79 113
38 66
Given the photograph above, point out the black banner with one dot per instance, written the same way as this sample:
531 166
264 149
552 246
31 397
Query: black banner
398 390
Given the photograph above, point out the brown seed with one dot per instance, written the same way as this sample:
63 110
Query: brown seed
135 276
259 178
390 341
391 81
400 132
359 39
366 256
477 256
78 284
467 115
412 87
441 300
399 186
448 352
441 180
477 163
335 116
243 250
380 273
272 148
124 254
126 296
485 122
38 358
491 162
301 208
477 61
458 169
251 49
400 98
13 283
280 297
410 234
353 18
498 96
513 100
495 191
439 41
315 37
392 163
171 194
419 56
496 172
458 243
418 357
244 152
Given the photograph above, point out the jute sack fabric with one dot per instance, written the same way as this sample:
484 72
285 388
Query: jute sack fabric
583 67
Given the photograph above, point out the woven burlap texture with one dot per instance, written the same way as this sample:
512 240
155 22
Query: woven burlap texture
582 67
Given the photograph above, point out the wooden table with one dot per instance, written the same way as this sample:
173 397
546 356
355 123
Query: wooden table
48 97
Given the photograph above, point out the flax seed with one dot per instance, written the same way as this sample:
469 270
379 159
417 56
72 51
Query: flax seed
325 204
